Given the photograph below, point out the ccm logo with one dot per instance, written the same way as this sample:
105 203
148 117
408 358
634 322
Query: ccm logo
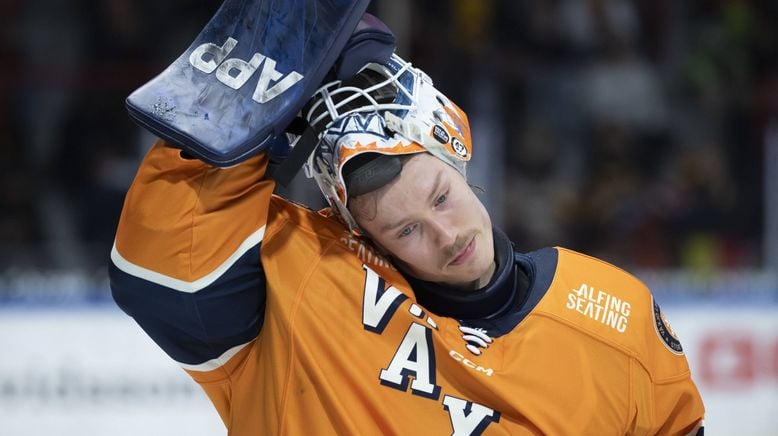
236 72
470 364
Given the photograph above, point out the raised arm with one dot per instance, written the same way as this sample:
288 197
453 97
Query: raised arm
185 263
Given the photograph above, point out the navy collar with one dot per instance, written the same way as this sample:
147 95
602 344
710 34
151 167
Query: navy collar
507 288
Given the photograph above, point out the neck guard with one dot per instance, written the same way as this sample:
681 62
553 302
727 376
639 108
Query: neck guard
507 287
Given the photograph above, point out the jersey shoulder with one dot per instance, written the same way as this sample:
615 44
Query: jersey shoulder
287 213
605 303
297 235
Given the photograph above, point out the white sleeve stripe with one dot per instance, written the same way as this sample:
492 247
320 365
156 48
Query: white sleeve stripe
181 285
217 362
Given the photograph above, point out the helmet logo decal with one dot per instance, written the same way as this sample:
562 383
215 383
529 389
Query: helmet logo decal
458 147
440 134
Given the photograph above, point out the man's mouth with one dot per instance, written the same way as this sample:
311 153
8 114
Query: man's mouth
465 254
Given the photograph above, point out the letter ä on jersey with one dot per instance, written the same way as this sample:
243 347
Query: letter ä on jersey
414 359
236 72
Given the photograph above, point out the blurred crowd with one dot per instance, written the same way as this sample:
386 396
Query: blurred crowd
632 130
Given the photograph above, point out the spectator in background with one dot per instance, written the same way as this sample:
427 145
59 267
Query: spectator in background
601 100
76 63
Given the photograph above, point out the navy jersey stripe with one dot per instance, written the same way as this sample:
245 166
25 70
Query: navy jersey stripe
195 327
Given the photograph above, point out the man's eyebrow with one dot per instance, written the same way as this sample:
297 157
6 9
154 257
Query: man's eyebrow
435 187
391 226
430 199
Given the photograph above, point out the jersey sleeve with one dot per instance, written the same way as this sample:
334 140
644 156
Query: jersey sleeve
185 263
665 398
667 407
617 308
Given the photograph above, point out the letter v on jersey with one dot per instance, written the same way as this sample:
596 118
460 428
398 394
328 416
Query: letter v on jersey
235 72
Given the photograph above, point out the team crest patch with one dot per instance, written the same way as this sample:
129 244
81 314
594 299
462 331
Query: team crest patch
665 332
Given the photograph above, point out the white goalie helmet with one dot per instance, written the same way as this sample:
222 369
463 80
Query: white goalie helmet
389 109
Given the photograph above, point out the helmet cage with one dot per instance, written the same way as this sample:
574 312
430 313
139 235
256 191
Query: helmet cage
419 119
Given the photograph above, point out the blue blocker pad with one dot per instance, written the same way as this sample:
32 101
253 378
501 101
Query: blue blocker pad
246 76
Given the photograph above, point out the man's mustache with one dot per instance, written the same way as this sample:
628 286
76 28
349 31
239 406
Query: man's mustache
459 244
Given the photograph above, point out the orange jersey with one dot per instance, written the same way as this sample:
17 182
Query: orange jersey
292 325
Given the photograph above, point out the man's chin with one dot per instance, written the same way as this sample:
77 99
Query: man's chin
480 272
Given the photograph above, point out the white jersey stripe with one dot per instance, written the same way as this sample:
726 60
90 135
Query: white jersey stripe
181 285
217 362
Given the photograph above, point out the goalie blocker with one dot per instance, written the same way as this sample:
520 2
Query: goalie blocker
236 89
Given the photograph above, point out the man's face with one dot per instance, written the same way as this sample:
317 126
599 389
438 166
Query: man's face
432 224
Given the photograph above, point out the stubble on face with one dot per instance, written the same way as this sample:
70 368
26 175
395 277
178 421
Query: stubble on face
407 195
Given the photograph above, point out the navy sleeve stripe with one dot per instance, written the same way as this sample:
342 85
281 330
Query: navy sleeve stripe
181 285
197 327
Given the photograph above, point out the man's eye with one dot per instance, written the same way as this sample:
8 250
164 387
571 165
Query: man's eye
407 231
440 200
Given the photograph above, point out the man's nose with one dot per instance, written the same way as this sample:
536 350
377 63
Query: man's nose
445 233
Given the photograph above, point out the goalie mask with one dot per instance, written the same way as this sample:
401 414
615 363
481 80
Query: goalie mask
366 123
